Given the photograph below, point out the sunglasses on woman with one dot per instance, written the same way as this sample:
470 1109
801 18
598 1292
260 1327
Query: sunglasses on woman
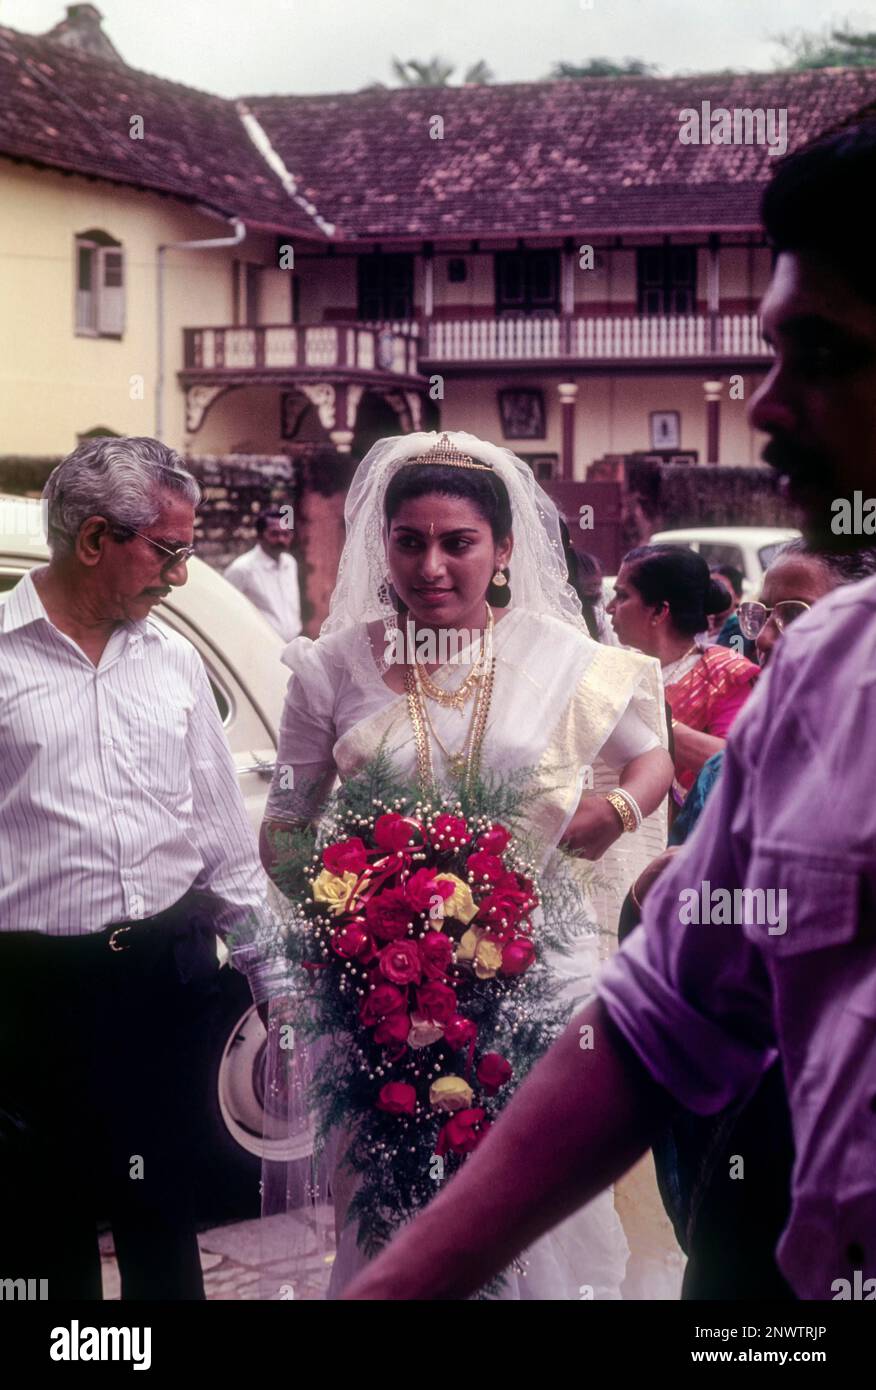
753 616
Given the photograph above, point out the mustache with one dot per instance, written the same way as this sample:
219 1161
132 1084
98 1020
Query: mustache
801 464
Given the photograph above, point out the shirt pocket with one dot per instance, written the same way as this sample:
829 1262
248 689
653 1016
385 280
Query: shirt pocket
799 902
159 755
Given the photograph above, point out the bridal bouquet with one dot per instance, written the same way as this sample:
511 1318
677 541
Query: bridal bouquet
421 931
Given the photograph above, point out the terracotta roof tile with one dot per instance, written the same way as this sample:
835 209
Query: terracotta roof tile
529 158
72 111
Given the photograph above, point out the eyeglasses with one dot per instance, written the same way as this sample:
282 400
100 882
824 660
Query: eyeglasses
178 554
753 617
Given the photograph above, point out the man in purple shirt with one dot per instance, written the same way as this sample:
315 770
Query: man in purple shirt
760 940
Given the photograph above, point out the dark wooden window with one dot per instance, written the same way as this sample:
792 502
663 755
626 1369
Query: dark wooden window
527 282
667 279
386 287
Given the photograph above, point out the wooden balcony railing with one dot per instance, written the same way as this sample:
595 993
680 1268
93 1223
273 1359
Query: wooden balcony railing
590 338
311 347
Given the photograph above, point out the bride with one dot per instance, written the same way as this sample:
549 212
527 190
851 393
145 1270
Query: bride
450 540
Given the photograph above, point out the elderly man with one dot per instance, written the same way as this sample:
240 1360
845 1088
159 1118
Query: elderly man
695 1008
268 575
124 848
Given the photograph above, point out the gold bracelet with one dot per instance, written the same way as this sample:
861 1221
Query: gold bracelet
628 820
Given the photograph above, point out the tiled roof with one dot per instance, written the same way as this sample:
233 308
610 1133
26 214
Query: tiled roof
528 158
72 111
525 159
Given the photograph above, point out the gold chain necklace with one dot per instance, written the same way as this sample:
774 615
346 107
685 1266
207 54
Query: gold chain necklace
455 699
465 765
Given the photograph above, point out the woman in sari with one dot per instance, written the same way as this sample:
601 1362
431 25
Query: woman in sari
441 533
663 598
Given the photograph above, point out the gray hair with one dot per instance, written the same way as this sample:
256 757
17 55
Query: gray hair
844 568
120 479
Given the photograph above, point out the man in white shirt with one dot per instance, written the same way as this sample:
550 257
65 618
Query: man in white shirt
124 847
268 575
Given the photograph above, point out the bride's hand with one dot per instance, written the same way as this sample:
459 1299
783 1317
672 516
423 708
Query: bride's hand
594 827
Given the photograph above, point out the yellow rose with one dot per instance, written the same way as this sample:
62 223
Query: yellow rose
334 890
450 1093
461 905
488 960
485 956
423 1031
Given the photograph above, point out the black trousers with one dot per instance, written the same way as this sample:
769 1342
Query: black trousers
104 1061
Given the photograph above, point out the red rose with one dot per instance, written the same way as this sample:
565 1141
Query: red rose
351 941
436 953
459 1031
450 832
346 856
495 840
423 886
397 1098
517 956
493 1071
393 832
389 914
393 1030
400 962
499 913
462 1133
380 1001
436 1001
485 866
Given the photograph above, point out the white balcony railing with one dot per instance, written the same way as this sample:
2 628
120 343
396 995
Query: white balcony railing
591 338
302 346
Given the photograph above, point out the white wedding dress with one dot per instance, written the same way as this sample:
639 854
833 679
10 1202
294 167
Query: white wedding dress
567 710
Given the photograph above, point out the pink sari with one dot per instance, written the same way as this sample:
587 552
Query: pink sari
709 696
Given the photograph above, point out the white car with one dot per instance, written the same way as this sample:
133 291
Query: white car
748 548
241 653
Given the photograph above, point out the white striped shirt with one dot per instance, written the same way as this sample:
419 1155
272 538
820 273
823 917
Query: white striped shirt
118 791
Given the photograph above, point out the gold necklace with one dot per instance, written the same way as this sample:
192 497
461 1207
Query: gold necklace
673 666
468 762
458 698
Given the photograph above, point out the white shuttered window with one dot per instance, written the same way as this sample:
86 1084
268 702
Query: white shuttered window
100 286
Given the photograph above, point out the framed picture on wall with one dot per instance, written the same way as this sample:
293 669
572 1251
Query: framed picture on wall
522 413
542 465
665 429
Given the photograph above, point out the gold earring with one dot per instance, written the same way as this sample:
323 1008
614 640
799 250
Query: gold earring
499 579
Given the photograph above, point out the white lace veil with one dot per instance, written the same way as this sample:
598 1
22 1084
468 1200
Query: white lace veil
538 575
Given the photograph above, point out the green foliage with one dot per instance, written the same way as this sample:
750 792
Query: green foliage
831 48
603 67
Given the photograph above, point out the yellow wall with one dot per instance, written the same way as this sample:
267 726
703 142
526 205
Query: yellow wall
55 385
612 414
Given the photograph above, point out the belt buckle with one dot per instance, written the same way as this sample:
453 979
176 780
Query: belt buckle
115 944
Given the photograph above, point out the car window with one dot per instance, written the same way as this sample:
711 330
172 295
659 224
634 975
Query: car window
715 554
768 553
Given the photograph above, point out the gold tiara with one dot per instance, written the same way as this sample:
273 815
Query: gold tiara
447 455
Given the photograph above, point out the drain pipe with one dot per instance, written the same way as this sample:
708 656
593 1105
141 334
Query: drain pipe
213 244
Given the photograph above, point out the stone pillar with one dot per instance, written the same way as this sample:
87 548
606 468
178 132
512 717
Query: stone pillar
568 394
713 391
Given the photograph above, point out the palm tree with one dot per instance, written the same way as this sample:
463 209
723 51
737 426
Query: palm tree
437 73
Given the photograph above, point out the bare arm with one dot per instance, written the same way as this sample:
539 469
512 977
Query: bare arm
270 851
693 748
583 1116
596 824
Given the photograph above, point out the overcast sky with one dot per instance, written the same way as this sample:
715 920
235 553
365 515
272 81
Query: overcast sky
233 47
